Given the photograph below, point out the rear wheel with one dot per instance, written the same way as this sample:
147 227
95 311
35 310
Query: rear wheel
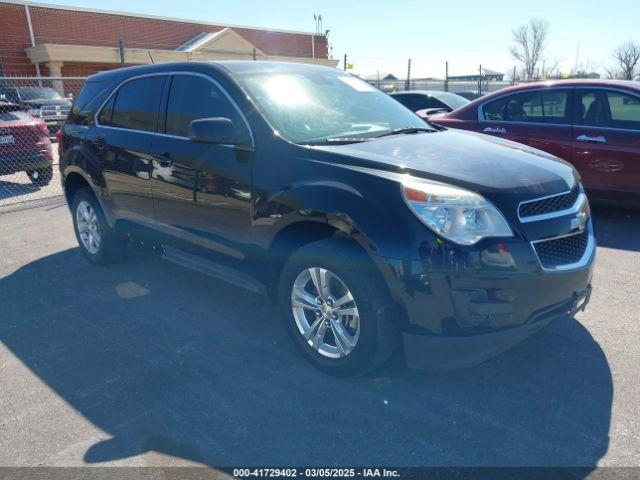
40 176
98 241
334 304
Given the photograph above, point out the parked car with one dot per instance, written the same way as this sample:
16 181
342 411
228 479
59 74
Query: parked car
471 94
24 145
368 227
595 125
42 102
428 102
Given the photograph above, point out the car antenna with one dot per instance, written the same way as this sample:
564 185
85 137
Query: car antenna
152 62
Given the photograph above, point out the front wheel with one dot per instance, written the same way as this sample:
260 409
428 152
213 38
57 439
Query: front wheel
40 176
334 303
98 242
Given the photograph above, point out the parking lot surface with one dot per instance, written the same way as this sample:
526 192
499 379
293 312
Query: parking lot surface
16 189
145 363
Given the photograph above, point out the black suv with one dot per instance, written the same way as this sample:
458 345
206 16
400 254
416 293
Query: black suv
371 229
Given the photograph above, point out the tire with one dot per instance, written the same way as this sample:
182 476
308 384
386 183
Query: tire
370 336
88 220
40 176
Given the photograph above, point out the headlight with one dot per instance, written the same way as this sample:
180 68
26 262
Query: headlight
454 213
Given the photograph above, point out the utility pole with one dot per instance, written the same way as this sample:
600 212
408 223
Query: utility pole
254 54
121 48
480 80
345 62
446 76
513 79
407 85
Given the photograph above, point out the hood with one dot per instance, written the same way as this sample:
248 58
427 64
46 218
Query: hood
484 164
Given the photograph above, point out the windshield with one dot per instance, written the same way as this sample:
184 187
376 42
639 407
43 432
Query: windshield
318 106
453 100
39 94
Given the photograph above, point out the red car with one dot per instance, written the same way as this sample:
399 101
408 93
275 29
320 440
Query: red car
595 125
24 145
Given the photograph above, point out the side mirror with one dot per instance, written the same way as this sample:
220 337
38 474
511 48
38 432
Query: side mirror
217 130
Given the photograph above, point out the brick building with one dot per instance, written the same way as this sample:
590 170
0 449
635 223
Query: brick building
50 40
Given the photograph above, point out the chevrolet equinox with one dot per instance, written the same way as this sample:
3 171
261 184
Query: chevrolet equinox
371 229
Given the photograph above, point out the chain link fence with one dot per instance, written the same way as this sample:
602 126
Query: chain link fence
468 87
31 112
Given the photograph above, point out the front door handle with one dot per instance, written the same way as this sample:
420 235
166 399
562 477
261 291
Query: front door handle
495 130
164 159
587 138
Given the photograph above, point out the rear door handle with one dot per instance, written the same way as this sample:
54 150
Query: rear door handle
495 130
164 159
587 138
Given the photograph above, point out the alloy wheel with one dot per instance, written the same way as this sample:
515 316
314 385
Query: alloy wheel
325 312
88 227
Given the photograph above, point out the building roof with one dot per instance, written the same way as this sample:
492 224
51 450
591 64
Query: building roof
381 76
144 15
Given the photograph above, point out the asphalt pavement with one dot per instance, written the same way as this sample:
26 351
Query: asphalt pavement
146 363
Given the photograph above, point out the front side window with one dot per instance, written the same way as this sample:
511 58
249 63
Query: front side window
315 106
192 98
536 107
135 105
609 108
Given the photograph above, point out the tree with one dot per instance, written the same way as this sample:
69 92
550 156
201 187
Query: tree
529 42
627 60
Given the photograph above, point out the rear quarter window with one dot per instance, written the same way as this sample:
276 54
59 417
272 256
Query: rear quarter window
87 102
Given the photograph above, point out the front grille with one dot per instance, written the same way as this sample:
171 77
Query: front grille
53 112
562 251
550 205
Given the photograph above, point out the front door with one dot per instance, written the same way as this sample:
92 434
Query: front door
123 139
201 191
606 145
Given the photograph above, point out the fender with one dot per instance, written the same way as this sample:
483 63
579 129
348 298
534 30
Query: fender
358 212
82 161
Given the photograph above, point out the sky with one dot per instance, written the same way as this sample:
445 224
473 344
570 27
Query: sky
383 35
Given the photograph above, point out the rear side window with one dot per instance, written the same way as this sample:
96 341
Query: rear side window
495 110
192 98
548 106
135 105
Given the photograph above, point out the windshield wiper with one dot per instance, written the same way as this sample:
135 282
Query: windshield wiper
406 130
336 140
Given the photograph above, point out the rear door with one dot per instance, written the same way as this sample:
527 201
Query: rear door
126 127
540 118
606 145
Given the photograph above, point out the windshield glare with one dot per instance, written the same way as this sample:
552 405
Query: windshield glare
39 93
316 106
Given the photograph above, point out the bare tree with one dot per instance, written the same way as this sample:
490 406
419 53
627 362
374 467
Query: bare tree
529 42
627 61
